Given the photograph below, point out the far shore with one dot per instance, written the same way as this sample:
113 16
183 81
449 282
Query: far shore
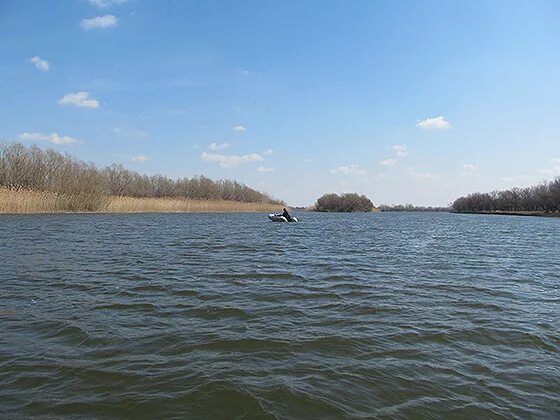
515 213
36 202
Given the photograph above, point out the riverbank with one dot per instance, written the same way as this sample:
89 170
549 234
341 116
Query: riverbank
515 213
30 202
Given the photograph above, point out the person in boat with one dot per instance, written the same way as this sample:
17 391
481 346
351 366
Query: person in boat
286 215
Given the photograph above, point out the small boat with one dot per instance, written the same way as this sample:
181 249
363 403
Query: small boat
277 217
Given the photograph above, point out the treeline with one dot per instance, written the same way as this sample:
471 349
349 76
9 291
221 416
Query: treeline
87 187
410 207
349 202
544 197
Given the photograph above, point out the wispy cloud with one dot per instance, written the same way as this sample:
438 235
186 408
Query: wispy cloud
350 170
400 150
245 72
550 172
99 22
140 158
230 161
388 162
51 138
131 134
436 123
103 4
41 64
239 129
308 160
424 176
216 146
523 179
81 99
469 169
264 169
268 152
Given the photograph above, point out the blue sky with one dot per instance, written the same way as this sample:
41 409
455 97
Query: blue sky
410 101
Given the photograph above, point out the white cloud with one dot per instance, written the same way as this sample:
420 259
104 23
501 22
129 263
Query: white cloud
308 160
52 138
388 162
140 158
81 99
350 170
230 161
239 128
400 150
103 4
550 172
99 22
131 134
556 160
264 169
216 146
469 169
524 179
268 152
436 123
424 176
41 64
245 72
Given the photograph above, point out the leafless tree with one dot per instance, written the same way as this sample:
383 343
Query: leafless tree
543 197
85 187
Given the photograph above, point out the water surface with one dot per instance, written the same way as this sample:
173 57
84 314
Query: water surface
229 315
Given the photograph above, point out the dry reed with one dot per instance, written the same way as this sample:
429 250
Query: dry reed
28 201
182 205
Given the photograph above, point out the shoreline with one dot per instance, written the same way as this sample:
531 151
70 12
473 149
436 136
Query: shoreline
513 213
36 202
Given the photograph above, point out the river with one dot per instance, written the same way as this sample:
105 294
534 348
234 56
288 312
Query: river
391 315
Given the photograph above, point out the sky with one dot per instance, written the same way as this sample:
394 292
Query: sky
403 101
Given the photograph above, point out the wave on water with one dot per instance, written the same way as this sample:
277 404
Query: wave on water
229 316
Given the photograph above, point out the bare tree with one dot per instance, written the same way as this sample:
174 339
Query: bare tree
542 197
82 186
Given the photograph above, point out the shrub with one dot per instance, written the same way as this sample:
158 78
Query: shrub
349 202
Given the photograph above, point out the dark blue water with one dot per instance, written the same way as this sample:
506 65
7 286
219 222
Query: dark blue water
221 316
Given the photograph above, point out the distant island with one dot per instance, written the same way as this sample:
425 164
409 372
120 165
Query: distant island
349 202
542 199
33 180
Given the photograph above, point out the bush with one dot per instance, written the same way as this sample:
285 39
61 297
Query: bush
349 202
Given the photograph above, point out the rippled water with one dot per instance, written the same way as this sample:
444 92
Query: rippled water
215 316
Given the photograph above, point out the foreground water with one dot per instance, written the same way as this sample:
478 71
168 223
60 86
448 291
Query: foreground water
220 316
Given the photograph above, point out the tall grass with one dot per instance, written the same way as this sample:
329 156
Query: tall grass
14 200
182 205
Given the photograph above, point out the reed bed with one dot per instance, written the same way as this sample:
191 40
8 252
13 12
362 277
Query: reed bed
29 201
183 205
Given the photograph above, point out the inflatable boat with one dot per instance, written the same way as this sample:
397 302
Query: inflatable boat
277 217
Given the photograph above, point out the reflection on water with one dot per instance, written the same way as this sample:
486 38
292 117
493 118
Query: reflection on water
199 315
